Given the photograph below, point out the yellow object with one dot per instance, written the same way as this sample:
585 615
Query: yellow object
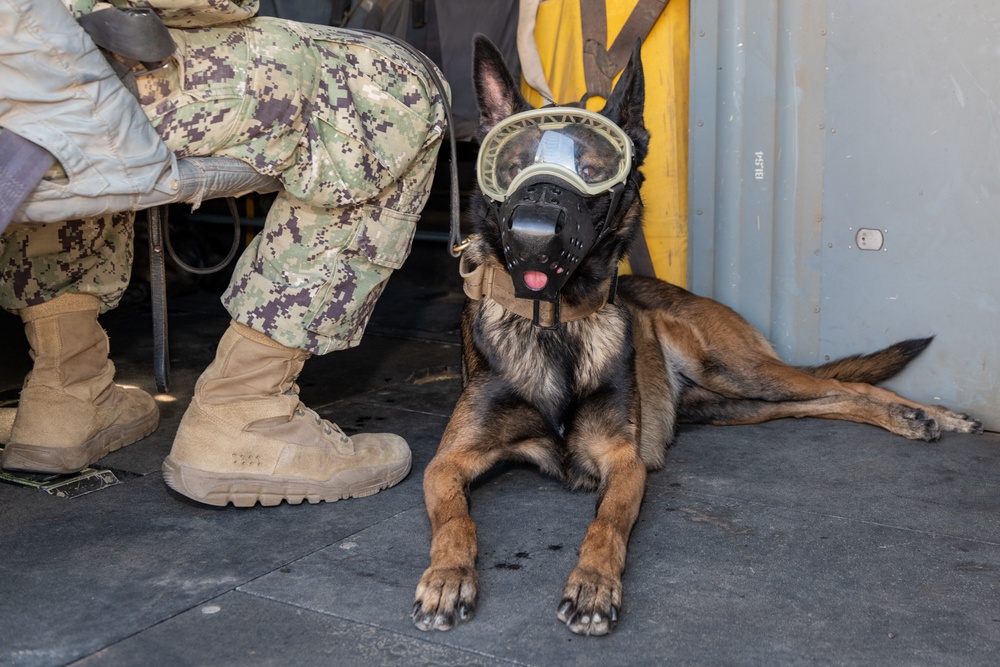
665 57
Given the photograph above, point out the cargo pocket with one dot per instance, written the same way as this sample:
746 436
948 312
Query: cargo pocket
381 245
388 236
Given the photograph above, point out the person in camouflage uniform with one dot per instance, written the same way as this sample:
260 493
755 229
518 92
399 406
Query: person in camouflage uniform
350 124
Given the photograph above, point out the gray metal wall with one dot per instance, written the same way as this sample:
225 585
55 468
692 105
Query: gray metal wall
821 125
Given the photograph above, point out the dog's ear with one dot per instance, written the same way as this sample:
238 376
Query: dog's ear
497 94
625 104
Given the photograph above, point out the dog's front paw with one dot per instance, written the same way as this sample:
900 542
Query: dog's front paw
590 602
445 597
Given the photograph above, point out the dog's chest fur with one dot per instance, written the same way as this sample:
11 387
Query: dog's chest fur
550 369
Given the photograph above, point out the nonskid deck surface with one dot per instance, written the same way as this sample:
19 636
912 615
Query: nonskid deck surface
793 542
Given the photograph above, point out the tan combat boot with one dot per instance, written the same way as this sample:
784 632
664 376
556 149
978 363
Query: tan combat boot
246 438
71 412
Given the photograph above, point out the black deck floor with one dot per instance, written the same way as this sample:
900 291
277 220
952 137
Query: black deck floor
790 543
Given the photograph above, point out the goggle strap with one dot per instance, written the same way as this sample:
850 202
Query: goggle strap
616 197
613 290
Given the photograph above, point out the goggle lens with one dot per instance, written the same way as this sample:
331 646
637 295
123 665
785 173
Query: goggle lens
581 147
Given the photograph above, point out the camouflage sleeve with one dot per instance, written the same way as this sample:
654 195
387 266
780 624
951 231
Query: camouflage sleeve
199 13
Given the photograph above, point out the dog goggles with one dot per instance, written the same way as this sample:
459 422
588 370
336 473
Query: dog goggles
580 147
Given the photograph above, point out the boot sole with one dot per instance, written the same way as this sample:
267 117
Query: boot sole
244 490
61 460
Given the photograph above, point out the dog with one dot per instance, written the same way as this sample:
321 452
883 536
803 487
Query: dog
592 392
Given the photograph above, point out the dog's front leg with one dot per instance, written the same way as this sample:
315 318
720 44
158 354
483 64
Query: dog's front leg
592 597
447 591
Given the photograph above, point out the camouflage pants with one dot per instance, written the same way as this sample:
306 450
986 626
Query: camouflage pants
349 123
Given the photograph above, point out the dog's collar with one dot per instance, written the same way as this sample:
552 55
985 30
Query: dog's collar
492 283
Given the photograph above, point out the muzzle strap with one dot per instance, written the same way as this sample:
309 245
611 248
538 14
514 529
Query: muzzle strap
489 282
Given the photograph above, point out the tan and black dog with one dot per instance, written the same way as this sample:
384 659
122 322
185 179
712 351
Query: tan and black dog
594 401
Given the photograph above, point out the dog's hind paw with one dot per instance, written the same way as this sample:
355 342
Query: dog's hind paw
957 421
590 603
445 597
914 423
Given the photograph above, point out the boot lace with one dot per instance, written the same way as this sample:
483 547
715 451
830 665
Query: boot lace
328 428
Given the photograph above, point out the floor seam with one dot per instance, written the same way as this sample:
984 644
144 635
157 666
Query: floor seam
825 515
397 633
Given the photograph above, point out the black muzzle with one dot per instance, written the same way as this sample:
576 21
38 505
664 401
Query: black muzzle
547 230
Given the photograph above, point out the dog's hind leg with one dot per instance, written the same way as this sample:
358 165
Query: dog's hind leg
774 390
873 368
718 351
592 597
704 407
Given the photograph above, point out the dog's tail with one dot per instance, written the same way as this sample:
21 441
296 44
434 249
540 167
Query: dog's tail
872 368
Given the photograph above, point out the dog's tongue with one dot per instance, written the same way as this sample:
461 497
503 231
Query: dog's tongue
535 280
